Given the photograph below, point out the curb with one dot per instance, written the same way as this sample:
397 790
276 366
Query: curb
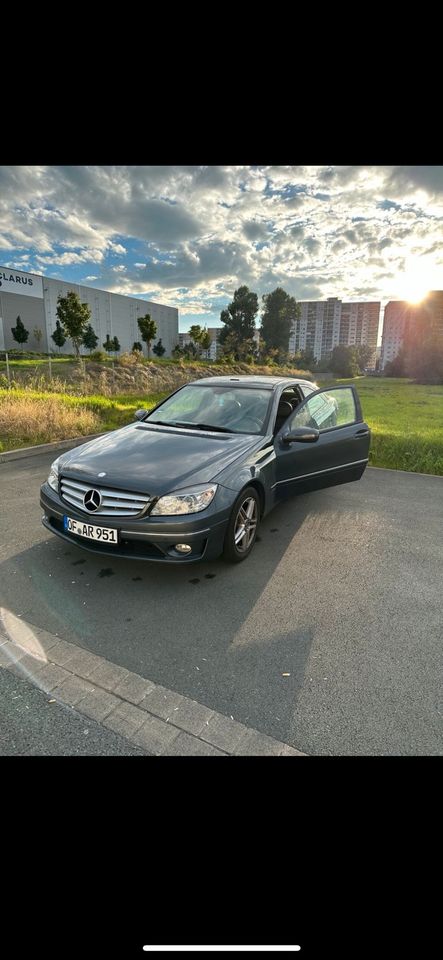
23 452
408 473
160 721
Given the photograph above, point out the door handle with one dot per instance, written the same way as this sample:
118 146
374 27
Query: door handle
362 433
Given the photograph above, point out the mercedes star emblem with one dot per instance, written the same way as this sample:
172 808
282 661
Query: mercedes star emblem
92 500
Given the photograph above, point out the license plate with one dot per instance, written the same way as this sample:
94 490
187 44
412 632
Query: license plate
90 530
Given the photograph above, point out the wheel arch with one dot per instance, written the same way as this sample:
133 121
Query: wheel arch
258 486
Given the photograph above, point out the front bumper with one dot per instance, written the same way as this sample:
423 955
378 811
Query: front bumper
149 538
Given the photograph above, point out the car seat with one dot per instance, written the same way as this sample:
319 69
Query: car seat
283 412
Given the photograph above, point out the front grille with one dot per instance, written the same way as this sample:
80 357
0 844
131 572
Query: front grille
114 503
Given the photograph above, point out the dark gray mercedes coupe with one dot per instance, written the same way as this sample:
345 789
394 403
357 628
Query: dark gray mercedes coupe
192 478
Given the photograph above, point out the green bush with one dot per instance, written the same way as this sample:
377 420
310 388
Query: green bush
98 355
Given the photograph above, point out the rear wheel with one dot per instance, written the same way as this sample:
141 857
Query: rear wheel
242 526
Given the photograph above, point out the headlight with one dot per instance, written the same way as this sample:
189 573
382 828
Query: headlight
53 475
191 500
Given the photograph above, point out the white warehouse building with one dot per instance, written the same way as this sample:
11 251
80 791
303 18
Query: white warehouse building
33 298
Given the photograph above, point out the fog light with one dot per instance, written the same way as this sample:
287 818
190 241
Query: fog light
183 547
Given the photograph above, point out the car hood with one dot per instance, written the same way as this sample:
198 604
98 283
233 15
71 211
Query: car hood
154 459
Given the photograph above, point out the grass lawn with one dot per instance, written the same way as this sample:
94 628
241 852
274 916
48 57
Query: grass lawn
27 362
29 417
42 363
406 420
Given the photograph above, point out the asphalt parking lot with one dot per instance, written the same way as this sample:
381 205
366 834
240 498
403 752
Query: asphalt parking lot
343 593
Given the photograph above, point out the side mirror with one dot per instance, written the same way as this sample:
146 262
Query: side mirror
139 414
301 435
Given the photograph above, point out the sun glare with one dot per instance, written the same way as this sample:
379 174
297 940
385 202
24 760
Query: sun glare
417 280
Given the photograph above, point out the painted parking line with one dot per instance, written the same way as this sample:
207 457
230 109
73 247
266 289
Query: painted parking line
222 949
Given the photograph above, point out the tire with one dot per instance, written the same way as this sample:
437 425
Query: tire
246 508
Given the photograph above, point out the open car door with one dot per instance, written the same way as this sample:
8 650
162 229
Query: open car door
324 442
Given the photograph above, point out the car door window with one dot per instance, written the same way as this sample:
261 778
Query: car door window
306 390
325 410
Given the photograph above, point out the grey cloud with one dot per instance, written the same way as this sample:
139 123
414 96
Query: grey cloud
254 231
210 178
340 176
294 203
429 178
338 246
116 198
155 220
312 245
202 262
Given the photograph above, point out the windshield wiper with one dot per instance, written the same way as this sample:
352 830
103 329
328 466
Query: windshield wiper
209 426
168 423
191 425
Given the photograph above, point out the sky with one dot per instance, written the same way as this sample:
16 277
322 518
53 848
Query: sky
189 236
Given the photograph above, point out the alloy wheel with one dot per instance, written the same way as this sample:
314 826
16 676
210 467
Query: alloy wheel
245 524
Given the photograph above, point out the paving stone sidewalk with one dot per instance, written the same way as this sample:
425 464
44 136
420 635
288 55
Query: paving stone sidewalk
160 721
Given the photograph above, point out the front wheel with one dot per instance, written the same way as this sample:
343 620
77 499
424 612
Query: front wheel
242 526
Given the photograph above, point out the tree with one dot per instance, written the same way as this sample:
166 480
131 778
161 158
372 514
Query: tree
115 345
177 351
422 346
90 338
271 356
148 330
159 349
136 346
201 337
306 359
396 367
190 350
239 319
38 333
426 365
58 336
343 361
19 332
205 341
280 310
364 354
195 333
109 344
74 317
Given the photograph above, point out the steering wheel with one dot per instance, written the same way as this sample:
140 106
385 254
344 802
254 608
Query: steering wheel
246 421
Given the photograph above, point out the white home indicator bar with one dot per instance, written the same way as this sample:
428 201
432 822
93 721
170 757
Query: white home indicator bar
220 949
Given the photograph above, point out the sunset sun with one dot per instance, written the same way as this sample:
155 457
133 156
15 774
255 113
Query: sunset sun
417 280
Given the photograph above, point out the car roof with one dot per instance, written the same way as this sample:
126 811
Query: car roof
267 383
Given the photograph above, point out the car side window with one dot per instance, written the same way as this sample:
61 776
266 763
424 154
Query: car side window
331 408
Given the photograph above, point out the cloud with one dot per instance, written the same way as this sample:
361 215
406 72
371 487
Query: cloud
190 235
86 256
402 180
254 230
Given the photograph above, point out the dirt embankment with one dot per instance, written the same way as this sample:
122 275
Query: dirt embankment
91 377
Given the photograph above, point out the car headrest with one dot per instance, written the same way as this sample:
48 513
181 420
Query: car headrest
284 408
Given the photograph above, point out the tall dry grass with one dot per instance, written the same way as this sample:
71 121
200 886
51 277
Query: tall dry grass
133 376
29 421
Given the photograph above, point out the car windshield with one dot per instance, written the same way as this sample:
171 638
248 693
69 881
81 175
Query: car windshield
223 408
